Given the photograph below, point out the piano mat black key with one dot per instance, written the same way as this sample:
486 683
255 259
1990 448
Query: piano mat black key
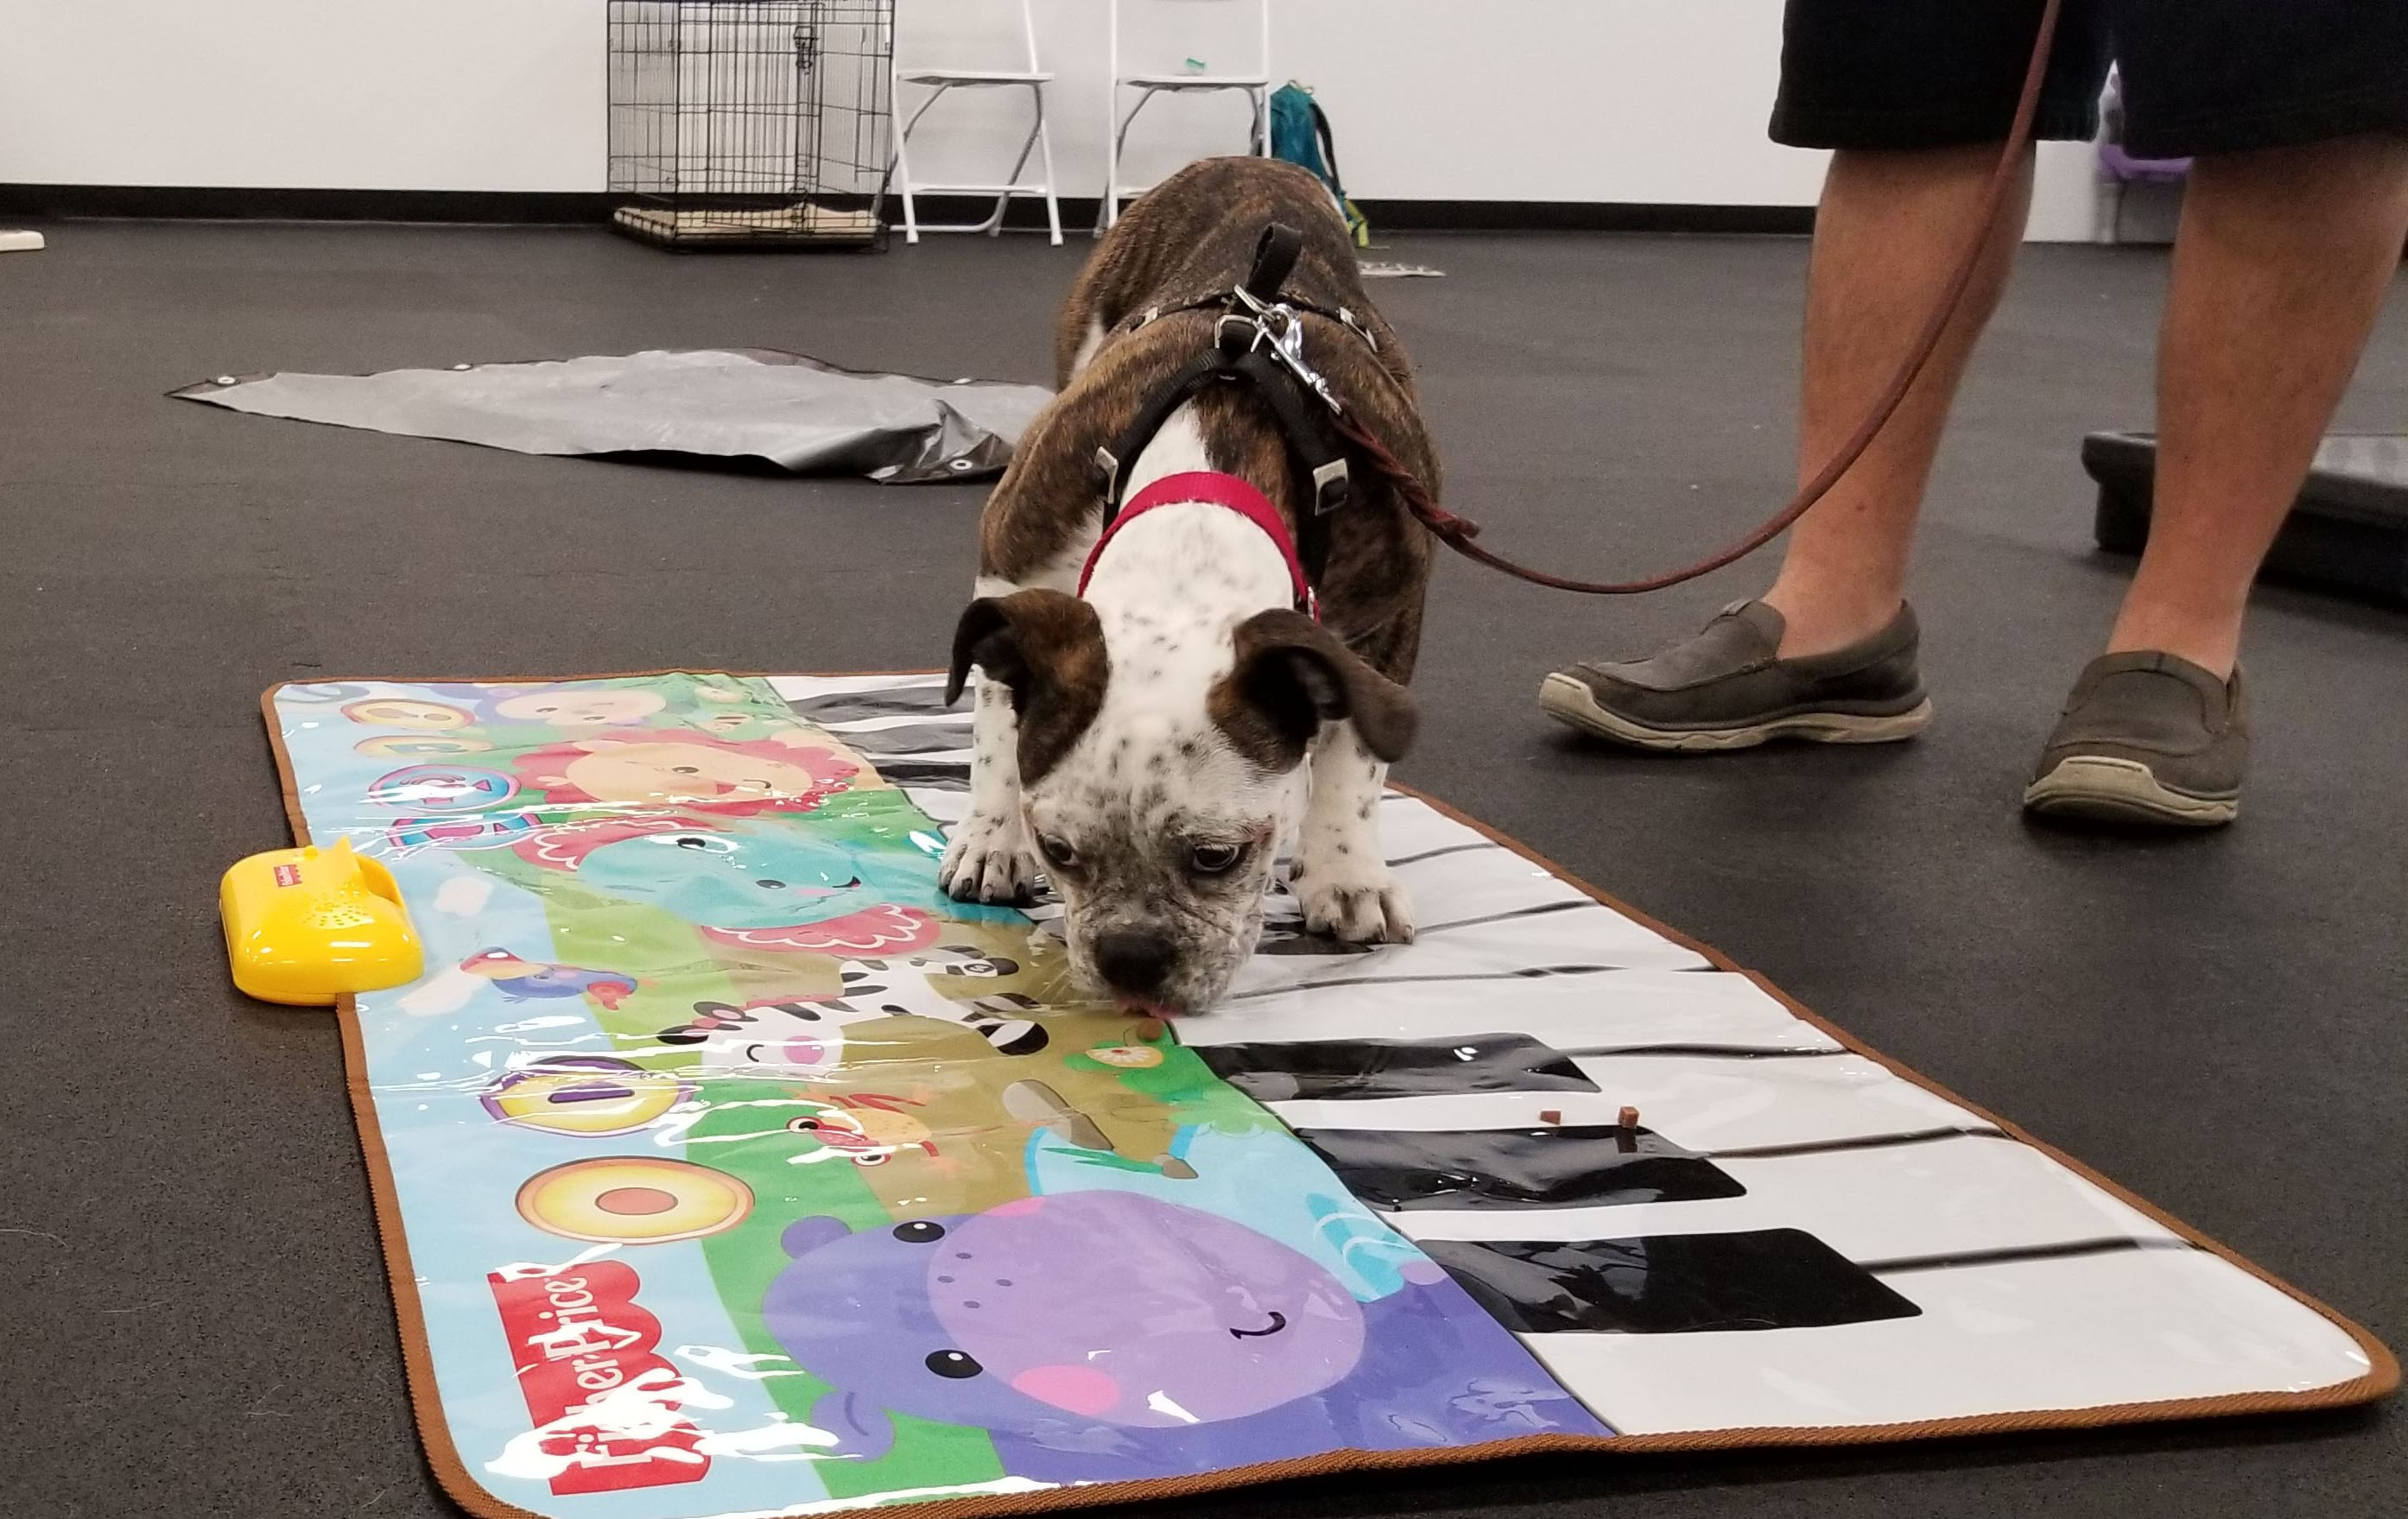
861 706
906 739
1319 1068
1676 1283
1552 1165
927 775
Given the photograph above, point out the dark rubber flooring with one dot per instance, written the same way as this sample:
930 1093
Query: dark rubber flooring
192 1316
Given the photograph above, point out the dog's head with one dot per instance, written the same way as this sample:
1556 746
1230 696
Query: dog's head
1156 772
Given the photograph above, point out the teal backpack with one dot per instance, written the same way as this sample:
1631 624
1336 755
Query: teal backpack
1300 135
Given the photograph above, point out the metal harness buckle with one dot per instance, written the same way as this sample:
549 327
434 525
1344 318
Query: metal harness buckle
1287 344
1278 328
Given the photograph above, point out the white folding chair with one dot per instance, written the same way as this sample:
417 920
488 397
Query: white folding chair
1255 85
937 81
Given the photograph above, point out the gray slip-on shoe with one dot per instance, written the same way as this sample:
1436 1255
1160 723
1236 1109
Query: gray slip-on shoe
2145 737
1728 688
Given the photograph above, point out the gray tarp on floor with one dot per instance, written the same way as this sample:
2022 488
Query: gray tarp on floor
810 417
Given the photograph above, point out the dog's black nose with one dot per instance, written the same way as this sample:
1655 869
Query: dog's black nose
1133 960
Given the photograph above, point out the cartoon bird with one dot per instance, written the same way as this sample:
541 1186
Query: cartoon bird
521 979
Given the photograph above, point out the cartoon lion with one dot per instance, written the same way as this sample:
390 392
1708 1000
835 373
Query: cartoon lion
789 772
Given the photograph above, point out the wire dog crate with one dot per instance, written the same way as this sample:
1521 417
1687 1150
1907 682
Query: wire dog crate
739 123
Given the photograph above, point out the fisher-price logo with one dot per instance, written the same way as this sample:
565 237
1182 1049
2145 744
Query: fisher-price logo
603 1402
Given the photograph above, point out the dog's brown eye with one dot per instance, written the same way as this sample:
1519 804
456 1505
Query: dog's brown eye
1057 851
1213 859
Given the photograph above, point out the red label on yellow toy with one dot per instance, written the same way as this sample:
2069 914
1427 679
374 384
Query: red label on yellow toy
288 875
603 1401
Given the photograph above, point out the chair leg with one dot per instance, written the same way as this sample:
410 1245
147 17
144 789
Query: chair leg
903 182
903 164
1045 150
993 226
1107 211
1111 213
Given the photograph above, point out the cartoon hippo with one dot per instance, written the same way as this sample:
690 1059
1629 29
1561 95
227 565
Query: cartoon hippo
520 980
1102 1335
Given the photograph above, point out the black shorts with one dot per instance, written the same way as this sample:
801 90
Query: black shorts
2199 75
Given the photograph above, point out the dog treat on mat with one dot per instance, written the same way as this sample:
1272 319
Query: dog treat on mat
726 1166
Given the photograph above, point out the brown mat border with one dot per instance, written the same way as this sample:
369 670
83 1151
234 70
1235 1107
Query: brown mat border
2382 1377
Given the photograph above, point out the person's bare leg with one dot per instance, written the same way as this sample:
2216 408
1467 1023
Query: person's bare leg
1890 231
2281 263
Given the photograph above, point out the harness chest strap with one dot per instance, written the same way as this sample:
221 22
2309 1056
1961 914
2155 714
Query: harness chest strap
1257 343
1303 423
1215 489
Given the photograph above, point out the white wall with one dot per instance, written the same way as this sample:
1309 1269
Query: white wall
1565 100
372 94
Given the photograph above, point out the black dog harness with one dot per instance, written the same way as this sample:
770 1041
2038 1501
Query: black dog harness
1258 341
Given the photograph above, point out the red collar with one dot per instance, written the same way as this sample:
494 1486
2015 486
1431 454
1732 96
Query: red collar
1221 491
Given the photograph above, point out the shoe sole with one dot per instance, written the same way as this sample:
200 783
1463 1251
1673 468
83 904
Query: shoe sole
2106 790
1570 702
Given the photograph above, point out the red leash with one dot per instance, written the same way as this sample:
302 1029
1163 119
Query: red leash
1457 533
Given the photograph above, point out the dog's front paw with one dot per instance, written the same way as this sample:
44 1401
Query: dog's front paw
1353 904
989 860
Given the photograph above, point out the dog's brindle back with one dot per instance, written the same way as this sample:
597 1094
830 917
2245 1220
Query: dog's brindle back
1192 237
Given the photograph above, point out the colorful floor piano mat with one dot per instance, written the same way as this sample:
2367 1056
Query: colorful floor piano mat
727 1166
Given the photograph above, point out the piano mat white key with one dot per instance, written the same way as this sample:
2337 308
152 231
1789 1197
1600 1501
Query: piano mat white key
1617 1009
946 808
2081 1331
1938 1198
959 758
1477 966
1701 1105
1408 825
804 687
1464 882
960 721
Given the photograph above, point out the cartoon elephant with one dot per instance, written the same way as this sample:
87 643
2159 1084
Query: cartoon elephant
1107 1335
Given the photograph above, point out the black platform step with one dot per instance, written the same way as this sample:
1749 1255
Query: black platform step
2348 532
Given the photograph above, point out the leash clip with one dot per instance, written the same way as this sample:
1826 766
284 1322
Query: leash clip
1287 347
1281 330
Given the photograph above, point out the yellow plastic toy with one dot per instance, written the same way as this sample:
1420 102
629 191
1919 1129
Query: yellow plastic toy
309 927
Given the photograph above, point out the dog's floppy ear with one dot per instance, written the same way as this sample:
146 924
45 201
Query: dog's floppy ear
1292 675
1048 649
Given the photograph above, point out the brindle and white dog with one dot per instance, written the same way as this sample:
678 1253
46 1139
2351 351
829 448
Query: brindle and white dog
1151 746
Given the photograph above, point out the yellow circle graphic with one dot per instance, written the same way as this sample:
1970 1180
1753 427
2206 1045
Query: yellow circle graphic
402 712
421 745
633 1200
584 1094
